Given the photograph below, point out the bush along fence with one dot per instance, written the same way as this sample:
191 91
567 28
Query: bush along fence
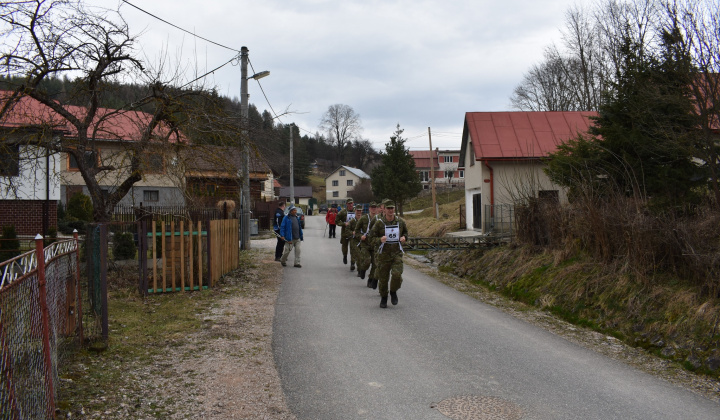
41 323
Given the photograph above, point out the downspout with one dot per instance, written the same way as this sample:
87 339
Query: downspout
492 186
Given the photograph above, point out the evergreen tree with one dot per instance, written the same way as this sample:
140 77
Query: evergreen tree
396 178
644 133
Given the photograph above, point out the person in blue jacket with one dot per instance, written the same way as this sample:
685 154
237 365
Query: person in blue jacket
292 234
277 221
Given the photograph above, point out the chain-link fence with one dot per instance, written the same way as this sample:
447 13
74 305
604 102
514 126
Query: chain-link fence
499 220
39 326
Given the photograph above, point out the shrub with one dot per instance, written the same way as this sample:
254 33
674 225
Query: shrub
80 207
10 244
124 246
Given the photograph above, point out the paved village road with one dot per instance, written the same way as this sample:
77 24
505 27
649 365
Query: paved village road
340 356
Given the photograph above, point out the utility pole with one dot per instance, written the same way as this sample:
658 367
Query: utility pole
432 175
292 168
245 191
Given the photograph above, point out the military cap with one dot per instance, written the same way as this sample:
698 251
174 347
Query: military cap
385 201
389 204
358 208
373 204
348 201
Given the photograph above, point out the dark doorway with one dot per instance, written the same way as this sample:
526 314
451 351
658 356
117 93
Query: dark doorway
477 207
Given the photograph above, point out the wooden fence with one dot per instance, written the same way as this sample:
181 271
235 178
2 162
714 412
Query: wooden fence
181 256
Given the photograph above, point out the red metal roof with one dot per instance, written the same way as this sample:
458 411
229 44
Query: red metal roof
507 135
422 158
122 125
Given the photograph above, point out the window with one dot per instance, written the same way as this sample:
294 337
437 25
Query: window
349 182
151 195
461 173
448 174
10 160
153 163
336 194
424 176
335 183
342 173
90 158
447 159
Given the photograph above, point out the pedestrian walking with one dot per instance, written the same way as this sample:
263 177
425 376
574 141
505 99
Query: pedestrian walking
389 233
277 221
291 232
330 220
342 219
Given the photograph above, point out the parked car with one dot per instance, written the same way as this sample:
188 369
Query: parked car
322 208
300 215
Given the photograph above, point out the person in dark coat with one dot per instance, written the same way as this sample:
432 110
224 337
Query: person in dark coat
277 221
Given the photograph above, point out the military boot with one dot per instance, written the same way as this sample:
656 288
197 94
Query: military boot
383 301
369 282
393 298
344 259
361 274
374 284
352 265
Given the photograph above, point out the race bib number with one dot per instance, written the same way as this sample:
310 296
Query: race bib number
392 233
351 216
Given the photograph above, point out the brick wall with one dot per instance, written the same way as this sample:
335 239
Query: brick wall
27 215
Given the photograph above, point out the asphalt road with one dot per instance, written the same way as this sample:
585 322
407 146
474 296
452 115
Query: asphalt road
340 356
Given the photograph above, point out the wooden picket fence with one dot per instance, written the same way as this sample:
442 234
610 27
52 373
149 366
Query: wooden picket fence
184 257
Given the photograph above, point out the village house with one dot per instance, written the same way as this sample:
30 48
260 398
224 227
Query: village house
341 182
446 164
503 155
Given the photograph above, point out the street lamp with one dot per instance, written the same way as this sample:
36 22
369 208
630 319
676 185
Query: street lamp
245 193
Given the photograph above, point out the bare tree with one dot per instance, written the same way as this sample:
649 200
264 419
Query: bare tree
45 39
699 24
546 86
343 126
574 77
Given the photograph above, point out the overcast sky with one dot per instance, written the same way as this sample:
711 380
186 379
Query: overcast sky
420 63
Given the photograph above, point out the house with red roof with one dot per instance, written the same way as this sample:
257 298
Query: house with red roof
444 163
503 155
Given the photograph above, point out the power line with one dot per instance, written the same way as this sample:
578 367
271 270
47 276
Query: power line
175 26
210 72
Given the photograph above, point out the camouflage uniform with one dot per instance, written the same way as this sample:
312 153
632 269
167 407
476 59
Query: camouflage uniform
372 249
364 257
353 241
389 255
345 233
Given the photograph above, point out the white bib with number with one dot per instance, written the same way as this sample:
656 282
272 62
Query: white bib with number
350 217
392 234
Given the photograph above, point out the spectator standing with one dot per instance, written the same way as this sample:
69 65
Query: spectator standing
277 221
330 219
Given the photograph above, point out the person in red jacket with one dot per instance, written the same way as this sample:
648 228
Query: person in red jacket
330 219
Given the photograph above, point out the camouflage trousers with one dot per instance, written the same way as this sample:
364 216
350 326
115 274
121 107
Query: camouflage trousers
389 269
345 245
355 250
364 256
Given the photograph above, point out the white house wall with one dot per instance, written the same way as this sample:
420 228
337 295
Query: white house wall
30 184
